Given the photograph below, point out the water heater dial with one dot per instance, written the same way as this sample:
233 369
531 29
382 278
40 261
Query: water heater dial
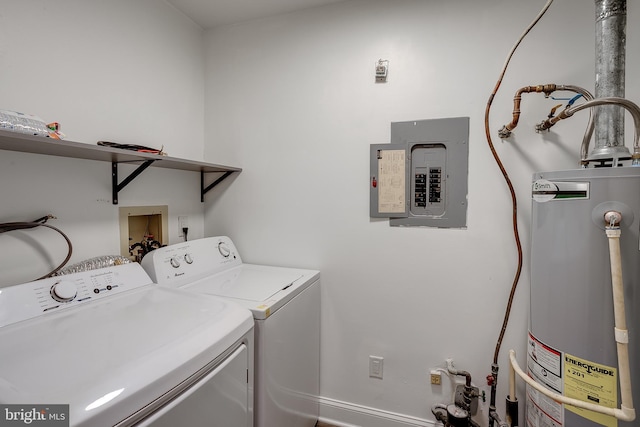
64 291
224 249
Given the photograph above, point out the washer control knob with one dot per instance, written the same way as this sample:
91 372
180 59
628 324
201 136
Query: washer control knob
188 259
224 249
174 262
64 291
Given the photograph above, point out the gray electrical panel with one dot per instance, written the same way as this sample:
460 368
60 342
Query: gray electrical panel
420 178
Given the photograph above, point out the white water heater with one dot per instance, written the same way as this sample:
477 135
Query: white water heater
571 342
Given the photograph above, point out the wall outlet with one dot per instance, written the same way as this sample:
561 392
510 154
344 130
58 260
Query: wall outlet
183 222
436 377
376 366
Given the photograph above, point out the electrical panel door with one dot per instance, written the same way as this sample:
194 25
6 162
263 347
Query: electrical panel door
388 181
420 178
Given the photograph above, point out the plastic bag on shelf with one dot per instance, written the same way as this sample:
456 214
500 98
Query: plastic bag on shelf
27 123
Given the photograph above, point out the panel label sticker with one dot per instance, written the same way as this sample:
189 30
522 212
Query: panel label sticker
391 181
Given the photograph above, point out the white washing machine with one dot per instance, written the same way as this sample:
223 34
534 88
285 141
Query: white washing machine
122 351
285 303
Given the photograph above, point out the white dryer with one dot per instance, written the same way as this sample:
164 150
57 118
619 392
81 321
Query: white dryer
121 351
285 303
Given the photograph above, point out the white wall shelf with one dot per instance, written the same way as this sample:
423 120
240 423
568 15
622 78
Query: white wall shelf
13 141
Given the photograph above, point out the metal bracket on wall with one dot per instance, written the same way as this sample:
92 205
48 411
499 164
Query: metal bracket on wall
204 190
19 142
116 187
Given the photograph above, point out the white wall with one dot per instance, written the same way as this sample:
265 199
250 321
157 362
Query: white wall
129 72
292 100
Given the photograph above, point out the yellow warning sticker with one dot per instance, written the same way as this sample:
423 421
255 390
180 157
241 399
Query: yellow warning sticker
591 382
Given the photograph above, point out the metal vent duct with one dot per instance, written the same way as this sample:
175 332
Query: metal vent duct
611 23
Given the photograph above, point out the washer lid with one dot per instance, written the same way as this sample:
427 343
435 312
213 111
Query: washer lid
247 282
110 358
260 288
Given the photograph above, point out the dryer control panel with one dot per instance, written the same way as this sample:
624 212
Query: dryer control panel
22 302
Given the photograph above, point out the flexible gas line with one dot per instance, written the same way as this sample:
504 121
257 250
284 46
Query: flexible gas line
626 412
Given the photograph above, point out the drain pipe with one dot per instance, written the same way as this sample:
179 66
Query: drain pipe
610 32
612 229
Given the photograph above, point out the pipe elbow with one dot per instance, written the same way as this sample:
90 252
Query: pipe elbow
453 371
626 414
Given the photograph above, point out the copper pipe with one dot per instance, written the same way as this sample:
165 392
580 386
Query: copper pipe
546 124
505 132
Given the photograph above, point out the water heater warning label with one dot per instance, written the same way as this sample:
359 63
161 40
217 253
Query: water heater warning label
544 364
572 377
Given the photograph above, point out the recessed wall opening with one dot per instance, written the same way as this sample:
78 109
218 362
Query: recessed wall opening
142 229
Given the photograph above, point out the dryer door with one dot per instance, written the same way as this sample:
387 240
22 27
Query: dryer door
221 399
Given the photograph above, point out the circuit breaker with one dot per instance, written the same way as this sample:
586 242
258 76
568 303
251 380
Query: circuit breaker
420 178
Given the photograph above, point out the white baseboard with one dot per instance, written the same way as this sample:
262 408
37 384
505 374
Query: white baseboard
345 414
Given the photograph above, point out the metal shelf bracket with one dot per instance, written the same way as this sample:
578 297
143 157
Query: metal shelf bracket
116 187
204 190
